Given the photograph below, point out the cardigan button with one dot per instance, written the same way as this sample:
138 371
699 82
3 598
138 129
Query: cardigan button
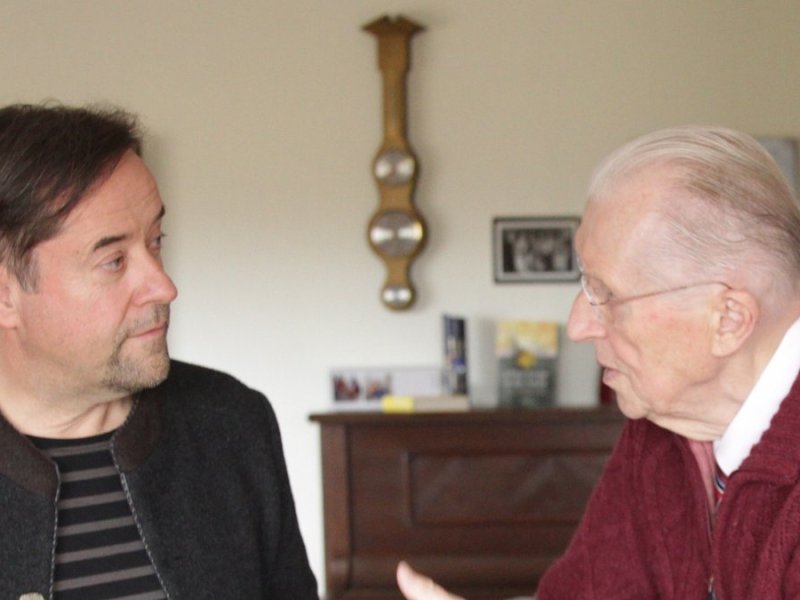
31 596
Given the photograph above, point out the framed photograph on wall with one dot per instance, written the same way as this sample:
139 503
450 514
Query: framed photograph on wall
534 249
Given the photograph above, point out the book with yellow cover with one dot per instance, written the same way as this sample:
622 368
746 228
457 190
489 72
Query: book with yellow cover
527 360
393 403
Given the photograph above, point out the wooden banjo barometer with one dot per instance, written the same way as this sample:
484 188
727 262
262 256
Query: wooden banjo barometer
396 231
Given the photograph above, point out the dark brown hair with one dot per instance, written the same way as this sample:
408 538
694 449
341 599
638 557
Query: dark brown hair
50 156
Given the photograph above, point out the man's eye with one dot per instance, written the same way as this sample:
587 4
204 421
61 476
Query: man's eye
600 292
115 264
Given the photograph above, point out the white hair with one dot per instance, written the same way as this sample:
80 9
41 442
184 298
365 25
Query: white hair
732 213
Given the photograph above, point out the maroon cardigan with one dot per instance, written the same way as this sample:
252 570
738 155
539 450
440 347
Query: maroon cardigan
645 534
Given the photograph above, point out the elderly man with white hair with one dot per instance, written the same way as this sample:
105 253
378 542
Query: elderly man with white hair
690 265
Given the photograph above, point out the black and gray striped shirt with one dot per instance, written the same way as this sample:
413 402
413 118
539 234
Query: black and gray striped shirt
99 552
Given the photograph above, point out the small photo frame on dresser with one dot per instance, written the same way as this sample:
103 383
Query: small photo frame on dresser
534 249
355 389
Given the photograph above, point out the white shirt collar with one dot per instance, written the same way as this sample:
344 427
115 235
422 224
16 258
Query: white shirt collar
762 403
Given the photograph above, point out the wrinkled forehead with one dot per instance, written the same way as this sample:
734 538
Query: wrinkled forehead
622 224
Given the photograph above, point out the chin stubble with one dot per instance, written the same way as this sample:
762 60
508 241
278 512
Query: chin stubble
148 368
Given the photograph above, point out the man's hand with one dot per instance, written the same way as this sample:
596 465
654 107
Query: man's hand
418 587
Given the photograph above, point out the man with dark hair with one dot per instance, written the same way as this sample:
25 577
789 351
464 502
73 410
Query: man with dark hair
123 474
47 177
689 250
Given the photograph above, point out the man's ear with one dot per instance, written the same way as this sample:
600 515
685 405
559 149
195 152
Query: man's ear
9 291
735 317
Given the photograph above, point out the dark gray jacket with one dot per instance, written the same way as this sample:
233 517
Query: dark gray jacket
201 461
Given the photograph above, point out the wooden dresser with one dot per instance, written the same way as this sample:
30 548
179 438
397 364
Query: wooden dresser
482 501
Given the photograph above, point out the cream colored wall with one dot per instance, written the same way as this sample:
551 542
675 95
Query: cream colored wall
264 116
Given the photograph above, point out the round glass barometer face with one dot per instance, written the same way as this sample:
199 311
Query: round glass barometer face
394 167
396 233
397 296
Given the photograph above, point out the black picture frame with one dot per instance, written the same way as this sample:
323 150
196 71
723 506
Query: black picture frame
534 249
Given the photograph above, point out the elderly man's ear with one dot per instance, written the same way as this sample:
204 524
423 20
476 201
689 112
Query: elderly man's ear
734 318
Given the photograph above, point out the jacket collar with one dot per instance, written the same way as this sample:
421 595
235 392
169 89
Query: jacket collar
134 441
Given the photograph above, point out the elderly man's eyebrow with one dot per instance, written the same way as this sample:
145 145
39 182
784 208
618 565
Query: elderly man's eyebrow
113 239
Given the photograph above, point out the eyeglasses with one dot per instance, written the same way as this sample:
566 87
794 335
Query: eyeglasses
598 294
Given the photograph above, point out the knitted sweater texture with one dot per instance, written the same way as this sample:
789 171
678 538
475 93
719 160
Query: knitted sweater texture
647 534
202 466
